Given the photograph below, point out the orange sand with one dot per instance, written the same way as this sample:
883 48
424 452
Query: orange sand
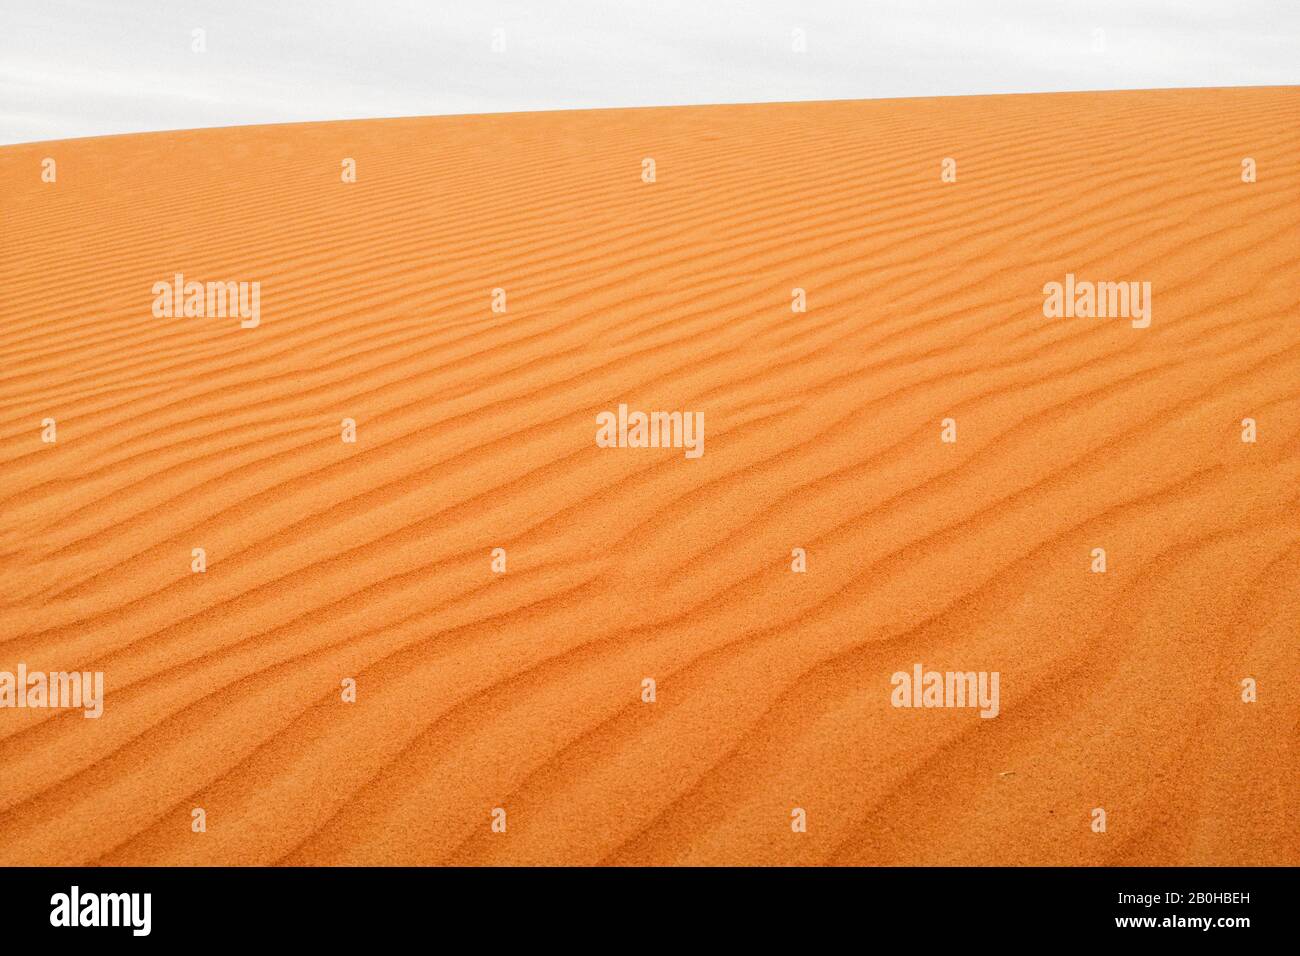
476 430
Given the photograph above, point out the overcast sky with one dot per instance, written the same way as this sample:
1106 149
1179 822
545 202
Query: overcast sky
87 68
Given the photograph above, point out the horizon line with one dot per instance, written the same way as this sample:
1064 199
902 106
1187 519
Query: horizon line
666 106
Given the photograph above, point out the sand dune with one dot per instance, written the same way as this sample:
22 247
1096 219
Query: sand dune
475 430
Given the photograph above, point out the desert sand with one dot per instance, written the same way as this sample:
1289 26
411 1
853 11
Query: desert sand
523 690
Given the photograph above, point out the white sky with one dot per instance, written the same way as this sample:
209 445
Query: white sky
70 68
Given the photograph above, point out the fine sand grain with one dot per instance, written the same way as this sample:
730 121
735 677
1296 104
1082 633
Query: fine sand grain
475 431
